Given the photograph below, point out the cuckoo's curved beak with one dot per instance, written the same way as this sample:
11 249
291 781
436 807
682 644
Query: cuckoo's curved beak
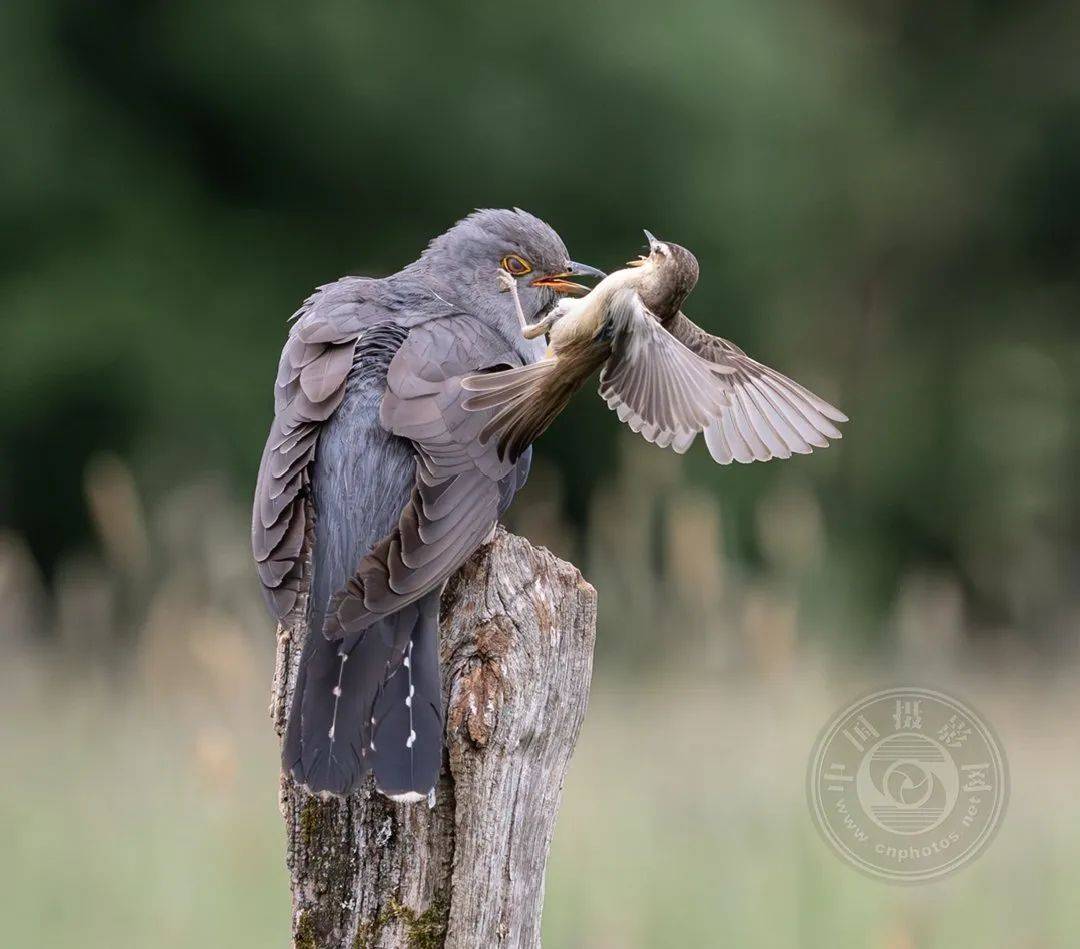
559 283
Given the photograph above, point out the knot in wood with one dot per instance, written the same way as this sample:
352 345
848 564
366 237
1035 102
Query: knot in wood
479 689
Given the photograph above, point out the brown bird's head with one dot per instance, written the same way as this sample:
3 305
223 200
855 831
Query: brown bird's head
668 274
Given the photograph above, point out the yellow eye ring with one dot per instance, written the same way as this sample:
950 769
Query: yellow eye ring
515 266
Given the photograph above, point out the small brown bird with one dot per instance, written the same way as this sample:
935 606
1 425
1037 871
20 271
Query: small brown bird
662 374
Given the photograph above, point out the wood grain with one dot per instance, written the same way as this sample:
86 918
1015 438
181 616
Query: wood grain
518 629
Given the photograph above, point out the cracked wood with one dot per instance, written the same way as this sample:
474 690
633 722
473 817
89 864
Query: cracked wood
518 629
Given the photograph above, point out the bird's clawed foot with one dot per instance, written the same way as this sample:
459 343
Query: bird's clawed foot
533 330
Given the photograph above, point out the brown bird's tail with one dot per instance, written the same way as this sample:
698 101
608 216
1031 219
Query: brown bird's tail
526 400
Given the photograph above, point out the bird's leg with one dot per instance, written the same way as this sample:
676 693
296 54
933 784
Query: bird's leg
528 330
506 282
556 313
542 326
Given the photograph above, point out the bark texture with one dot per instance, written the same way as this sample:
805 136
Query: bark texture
518 628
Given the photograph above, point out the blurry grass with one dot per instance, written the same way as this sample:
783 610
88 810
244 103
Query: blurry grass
685 823
133 824
151 819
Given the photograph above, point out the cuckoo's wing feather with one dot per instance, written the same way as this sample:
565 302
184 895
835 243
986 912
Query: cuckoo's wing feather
279 524
769 416
657 386
315 364
460 482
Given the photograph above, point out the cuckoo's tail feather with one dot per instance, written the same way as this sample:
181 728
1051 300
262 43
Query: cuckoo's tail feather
526 401
350 715
407 730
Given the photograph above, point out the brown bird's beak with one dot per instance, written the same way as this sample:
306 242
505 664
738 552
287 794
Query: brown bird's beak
641 259
559 283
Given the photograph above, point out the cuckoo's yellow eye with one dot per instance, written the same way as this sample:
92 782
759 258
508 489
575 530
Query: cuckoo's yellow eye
514 265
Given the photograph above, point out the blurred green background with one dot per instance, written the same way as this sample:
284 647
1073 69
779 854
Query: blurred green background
885 200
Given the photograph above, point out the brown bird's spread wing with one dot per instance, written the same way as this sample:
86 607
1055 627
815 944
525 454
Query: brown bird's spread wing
459 481
769 416
658 386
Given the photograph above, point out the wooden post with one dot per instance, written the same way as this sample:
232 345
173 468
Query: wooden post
518 628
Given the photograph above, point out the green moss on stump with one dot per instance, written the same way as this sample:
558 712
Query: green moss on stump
311 821
367 933
426 930
306 933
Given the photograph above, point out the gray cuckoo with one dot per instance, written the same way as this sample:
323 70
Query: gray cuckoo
374 462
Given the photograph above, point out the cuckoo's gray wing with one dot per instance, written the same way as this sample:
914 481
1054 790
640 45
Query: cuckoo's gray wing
461 483
315 363
769 415
656 385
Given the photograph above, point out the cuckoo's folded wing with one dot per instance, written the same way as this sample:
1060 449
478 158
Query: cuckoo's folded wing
311 384
329 335
769 416
656 385
460 483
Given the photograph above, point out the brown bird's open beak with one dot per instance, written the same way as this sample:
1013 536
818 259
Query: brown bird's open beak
559 283
641 259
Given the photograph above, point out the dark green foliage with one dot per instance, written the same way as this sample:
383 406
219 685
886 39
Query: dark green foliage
884 204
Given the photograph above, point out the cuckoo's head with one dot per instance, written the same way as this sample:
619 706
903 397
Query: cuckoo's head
469 257
668 273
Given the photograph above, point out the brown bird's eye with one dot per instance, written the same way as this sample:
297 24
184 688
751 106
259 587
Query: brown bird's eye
513 264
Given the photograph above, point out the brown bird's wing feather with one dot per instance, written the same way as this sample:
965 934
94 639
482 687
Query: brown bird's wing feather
528 399
659 387
459 480
769 416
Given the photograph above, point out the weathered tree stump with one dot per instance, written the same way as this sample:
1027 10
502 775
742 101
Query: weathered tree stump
518 628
